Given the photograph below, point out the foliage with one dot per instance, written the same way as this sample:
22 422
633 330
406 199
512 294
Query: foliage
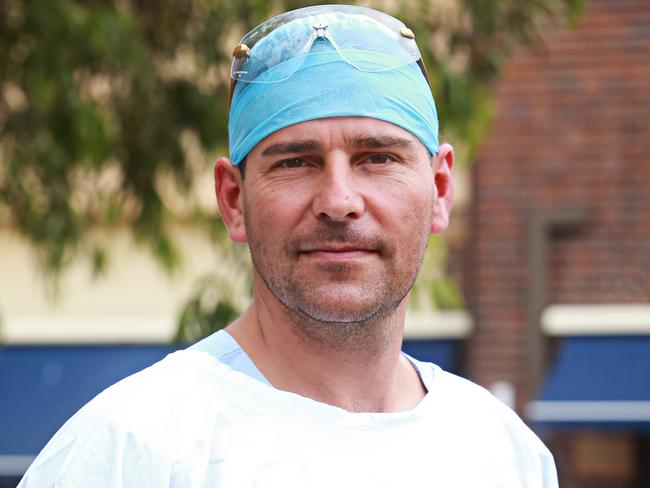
434 286
218 298
94 100
211 308
99 101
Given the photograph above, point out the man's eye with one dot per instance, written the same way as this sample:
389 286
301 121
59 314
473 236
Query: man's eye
380 158
291 163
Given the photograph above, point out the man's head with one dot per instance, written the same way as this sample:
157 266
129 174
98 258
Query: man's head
345 179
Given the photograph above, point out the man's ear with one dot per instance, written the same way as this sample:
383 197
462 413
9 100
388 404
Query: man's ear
228 186
443 164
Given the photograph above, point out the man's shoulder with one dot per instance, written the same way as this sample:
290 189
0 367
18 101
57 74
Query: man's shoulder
458 388
136 423
159 391
454 389
478 410
472 420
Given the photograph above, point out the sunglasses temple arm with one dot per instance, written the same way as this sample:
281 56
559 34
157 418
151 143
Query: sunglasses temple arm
423 68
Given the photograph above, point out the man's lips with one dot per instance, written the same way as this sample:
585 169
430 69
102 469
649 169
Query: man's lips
336 251
333 247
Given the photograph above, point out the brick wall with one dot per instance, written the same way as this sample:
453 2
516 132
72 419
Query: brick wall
571 131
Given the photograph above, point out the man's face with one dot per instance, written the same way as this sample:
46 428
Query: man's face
337 214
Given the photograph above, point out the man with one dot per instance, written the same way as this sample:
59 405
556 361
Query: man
336 181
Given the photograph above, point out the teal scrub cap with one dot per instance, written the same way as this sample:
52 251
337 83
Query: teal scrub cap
328 61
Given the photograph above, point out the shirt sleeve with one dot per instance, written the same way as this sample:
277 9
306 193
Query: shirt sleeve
549 473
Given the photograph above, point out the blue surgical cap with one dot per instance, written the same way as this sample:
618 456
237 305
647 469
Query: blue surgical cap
326 85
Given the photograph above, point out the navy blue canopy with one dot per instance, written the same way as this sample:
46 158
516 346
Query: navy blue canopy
601 381
443 352
42 386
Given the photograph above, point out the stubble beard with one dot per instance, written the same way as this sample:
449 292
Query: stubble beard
371 325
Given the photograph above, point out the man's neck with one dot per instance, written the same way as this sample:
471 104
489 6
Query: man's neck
359 370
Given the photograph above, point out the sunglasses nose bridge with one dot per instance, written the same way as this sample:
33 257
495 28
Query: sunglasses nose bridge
320 29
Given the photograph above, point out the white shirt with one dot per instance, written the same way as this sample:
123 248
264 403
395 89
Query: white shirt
192 421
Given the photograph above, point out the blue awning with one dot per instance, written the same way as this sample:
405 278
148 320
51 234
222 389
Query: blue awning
443 352
601 381
42 386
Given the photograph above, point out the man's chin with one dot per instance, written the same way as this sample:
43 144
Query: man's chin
328 317
353 328
343 311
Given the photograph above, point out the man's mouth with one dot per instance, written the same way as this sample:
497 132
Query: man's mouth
336 251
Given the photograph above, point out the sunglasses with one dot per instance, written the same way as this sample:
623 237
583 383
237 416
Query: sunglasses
367 39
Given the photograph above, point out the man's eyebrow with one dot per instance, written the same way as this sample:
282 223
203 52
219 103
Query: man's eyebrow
292 147
378 142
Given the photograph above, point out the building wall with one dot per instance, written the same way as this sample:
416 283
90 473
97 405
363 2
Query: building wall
571 133
134 301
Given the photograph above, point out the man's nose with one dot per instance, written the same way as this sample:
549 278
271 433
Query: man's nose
338 197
